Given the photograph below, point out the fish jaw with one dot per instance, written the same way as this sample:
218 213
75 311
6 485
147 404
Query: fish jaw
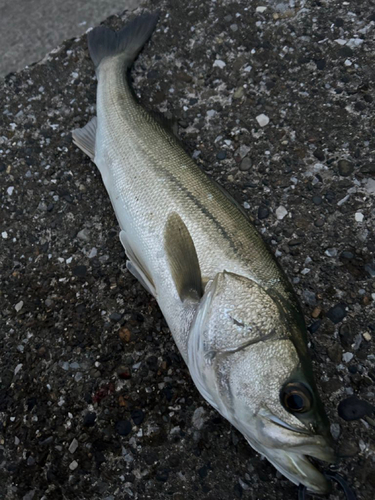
290 449
297 467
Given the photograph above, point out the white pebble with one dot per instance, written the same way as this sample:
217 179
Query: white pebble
84 235
367 336
73 465
263 120
335 431
355 42
93 253
347 357
10 190
4 234
359 217
18 306
348 62
219 63
343 200
198 417
331 252
17 368
281 212
73 446
260 9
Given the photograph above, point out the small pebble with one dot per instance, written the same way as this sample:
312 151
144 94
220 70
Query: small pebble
238 93
309 298
137 416
260 9
345 168
84 235
359 217
331 252
123 427
263 212
337 313
314 327
347 357
73 465
335 431
242 151
319 154
125 334
93 253
317 200
198 417
221 155
281 212
115 316
219 64
263 120
245 164
73 446
367 336
316 312
353 408
18 306
4 235
89 419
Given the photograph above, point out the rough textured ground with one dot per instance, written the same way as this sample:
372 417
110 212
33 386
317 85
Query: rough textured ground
95 401
31 29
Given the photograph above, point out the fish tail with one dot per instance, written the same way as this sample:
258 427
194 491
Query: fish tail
104 42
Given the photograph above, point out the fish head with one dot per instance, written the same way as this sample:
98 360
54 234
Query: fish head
245 360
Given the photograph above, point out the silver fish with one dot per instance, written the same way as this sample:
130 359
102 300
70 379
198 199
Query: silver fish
231 310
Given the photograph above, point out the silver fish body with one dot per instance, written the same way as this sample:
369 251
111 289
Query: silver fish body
229 306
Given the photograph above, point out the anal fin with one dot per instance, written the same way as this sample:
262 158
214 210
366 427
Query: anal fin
84 137
135 265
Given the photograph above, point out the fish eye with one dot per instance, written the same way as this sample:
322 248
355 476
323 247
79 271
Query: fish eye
296 398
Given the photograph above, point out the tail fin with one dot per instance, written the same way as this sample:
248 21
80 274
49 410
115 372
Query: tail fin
104 42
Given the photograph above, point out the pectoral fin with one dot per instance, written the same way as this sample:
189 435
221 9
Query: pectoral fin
182 258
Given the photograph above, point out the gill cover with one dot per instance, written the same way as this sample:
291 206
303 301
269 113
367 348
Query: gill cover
234 313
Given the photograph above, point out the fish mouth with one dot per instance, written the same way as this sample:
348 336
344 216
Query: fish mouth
300 469
300 460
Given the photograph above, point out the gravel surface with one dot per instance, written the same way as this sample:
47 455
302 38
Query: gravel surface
275 103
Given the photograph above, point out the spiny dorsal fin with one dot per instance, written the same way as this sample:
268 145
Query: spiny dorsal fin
84 137
182 258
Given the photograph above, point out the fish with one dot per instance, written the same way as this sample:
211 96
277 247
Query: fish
231 309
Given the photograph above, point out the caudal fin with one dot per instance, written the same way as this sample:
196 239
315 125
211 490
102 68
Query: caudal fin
104 42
